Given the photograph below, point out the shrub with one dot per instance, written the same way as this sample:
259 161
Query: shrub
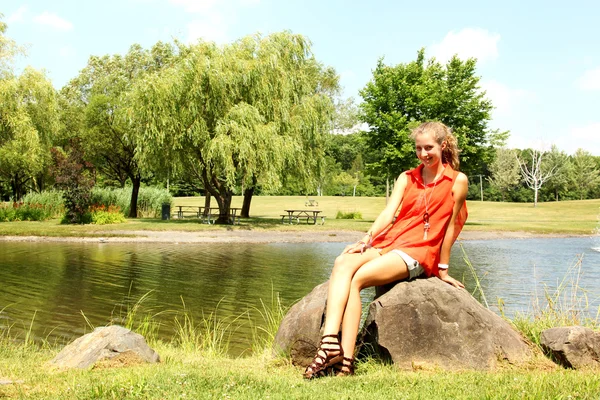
73 174
23 212
51 200
102 215
348 215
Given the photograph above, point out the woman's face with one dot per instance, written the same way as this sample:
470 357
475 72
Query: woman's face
429 151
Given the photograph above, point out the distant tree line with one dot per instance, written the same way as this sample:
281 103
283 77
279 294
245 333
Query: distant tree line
258 116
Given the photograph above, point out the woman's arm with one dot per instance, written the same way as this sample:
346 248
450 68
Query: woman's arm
385 217
459 192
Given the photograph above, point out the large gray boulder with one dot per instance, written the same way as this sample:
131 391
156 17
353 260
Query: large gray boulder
105 343
427 322
572 346
300 330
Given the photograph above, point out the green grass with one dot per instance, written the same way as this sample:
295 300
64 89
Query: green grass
565 217
194 365
200 375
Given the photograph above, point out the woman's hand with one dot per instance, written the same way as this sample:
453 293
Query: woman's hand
450 280
358 247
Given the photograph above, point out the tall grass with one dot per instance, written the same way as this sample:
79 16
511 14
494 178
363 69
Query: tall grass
50 200
150 199
137 316
263 334
565 305
478 291
211 335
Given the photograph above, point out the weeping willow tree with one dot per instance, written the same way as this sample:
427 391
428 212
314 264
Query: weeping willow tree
238 116
28 121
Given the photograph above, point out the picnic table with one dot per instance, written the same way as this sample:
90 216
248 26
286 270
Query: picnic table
295 215
208 217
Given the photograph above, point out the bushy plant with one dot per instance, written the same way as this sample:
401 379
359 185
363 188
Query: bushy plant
102 215
51 200
23 212
73 174
348 215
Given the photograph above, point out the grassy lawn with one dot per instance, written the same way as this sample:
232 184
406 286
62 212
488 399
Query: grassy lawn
565 217
197 375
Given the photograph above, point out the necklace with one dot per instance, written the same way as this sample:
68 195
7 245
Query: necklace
426 224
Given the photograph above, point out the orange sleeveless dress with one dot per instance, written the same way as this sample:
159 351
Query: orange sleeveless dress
407 232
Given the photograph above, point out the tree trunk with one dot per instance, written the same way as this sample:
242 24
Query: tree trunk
248 193
535 197
221 194
206 202
136 181
224 201
17 184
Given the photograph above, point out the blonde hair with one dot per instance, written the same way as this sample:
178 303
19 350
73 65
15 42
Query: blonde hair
441 134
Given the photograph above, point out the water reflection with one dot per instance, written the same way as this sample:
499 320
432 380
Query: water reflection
61 281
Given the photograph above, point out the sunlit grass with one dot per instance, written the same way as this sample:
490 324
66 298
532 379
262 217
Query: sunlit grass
565 217
195 364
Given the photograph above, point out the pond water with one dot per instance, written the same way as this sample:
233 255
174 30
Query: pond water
57 284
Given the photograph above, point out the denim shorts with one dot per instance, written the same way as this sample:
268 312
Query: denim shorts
414 268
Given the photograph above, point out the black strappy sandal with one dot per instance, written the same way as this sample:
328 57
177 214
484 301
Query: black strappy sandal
329 353
345 368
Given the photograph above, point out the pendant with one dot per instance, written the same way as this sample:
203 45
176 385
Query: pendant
425 230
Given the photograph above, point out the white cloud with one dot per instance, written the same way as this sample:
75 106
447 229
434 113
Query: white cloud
590 80
196 6
17 16
507 100
468 43
54 21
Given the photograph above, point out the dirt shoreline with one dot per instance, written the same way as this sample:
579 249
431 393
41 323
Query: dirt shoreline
248 236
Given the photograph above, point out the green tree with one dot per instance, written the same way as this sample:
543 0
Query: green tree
28 123
345 116
586 175
343 183
8 49
98 97
505 171
399 98
559 162
240 115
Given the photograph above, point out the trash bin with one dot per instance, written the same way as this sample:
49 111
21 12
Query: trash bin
166 211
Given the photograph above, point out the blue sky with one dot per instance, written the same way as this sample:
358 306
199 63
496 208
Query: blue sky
539 61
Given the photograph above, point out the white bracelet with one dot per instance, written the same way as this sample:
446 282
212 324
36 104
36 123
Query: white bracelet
443 266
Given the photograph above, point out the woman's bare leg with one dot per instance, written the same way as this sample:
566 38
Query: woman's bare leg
379 271
344 268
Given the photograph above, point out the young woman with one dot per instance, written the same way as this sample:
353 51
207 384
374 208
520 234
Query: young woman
430 200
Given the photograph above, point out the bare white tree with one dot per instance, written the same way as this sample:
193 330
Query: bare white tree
534 175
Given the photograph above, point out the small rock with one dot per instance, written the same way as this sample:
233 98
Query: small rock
572 346
105 343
